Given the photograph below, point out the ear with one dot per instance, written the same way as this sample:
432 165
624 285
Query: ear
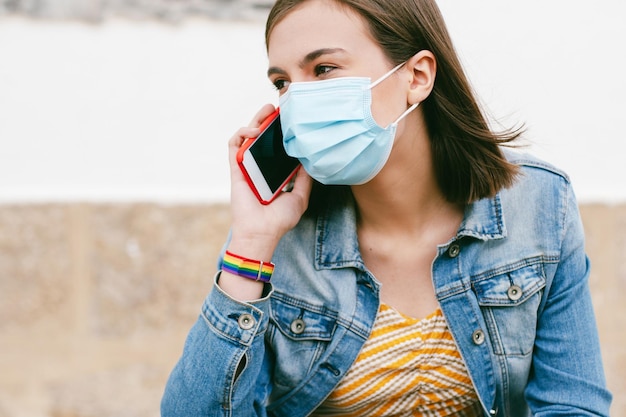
423 70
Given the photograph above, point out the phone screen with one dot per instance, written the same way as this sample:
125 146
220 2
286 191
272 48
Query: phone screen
269 153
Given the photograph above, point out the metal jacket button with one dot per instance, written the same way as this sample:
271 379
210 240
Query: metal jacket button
478 337
514 293
454 250
298 326
246 321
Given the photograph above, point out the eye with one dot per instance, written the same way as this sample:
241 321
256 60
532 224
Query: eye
280 84
322 69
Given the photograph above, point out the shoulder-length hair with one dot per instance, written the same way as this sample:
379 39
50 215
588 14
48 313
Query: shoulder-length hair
467 158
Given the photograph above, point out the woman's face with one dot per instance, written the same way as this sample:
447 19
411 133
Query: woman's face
320 40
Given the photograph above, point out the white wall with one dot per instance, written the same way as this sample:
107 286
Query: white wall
129 111
560 67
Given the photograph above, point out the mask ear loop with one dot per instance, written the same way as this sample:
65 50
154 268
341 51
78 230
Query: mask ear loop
383 78
406 112
386 75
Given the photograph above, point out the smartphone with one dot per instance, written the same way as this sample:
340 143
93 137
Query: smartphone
264 162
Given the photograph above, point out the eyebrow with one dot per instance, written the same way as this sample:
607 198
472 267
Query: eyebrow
308 58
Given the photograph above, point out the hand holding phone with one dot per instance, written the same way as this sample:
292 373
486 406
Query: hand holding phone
256 229
265 164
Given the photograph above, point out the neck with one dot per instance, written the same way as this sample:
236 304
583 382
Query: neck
402 205
405 196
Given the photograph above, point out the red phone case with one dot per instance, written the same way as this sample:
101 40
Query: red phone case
249 143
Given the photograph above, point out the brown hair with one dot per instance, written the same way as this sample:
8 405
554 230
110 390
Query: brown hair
467 159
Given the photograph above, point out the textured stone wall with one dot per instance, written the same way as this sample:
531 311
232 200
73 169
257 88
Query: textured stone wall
96 300
168 10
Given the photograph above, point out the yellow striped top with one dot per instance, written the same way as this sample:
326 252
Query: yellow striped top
407 367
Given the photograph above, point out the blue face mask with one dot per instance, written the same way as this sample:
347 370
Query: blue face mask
328 126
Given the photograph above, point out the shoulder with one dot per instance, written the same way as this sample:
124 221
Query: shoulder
534 165
541 199
537 179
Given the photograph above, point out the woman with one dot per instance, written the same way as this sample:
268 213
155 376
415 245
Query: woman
424 272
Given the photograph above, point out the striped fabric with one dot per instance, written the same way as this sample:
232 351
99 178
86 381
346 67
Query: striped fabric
407 367
247 268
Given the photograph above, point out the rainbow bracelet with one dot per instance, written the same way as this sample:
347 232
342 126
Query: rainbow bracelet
247 268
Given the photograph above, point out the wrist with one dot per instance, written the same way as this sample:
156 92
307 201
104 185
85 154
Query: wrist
258 247
253 269
243 277
240 288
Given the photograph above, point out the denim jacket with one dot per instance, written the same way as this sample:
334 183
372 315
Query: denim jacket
512 285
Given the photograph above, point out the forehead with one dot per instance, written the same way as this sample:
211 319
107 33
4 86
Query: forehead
318 24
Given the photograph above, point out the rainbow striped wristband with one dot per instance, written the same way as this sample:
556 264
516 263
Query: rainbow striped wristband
247 268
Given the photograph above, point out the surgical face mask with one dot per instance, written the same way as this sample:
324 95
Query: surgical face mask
328 125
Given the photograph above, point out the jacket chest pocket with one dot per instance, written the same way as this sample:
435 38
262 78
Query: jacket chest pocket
298 335
509 299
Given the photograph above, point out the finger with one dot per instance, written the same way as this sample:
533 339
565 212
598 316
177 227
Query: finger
302 186
241 135
234 145
262 114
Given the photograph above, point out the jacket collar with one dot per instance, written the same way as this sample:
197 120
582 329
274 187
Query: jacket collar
484 220
337 242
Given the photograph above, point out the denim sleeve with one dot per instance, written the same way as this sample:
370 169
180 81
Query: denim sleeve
219 371
567 376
